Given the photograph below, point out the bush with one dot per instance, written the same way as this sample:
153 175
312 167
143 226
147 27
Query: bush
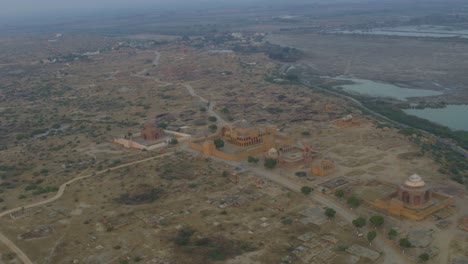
252 159
212 119
371 235
404 242
359 222
339 193
392 234
216 254
354 201
173 141
219 143
377 220
286 221
213 127
270 163
306 190
305 133
424 257
330 213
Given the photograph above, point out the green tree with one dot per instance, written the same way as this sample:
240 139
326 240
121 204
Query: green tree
359 222
371 236
173 141
305 133
377 220
392 233
252 159
270 163
212 119
213 127
330 213
405 243
306 190
354 201
219 143
339 193
162 125
424 257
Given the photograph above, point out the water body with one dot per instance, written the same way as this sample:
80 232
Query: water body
378 89
427 31
454 117
221 51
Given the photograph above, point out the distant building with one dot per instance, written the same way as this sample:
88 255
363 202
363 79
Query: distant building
241 139
412 199
151 133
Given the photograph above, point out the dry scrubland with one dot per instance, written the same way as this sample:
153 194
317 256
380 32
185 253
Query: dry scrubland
57 121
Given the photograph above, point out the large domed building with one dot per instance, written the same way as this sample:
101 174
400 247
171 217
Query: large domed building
414 193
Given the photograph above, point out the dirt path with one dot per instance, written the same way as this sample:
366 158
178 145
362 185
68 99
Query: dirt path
19 253
220 120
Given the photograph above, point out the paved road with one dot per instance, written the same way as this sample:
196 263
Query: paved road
19 253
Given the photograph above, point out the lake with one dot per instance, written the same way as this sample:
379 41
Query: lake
411 31
379 89
454 117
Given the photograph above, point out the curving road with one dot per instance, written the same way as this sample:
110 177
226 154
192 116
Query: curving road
19 253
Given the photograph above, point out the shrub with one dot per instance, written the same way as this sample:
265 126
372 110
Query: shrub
359 222
270 163
305 133
404 242
330 213
371 235
339 193
306 190
354 201
219 143
392 233
216 254
173 141
424 257
212 119
252 159
213 127
377 220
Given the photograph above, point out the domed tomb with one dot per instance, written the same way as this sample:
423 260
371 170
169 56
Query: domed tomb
414 193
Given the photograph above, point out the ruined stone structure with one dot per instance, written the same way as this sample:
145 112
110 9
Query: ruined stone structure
413 199
290 155
151 133
243 135
414 193
241 139
323 168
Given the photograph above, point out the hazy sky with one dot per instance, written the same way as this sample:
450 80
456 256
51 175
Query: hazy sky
14 8
27 7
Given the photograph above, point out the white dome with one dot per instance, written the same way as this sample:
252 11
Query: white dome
415 181
273 153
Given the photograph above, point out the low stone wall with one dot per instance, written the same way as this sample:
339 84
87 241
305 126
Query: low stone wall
397 208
